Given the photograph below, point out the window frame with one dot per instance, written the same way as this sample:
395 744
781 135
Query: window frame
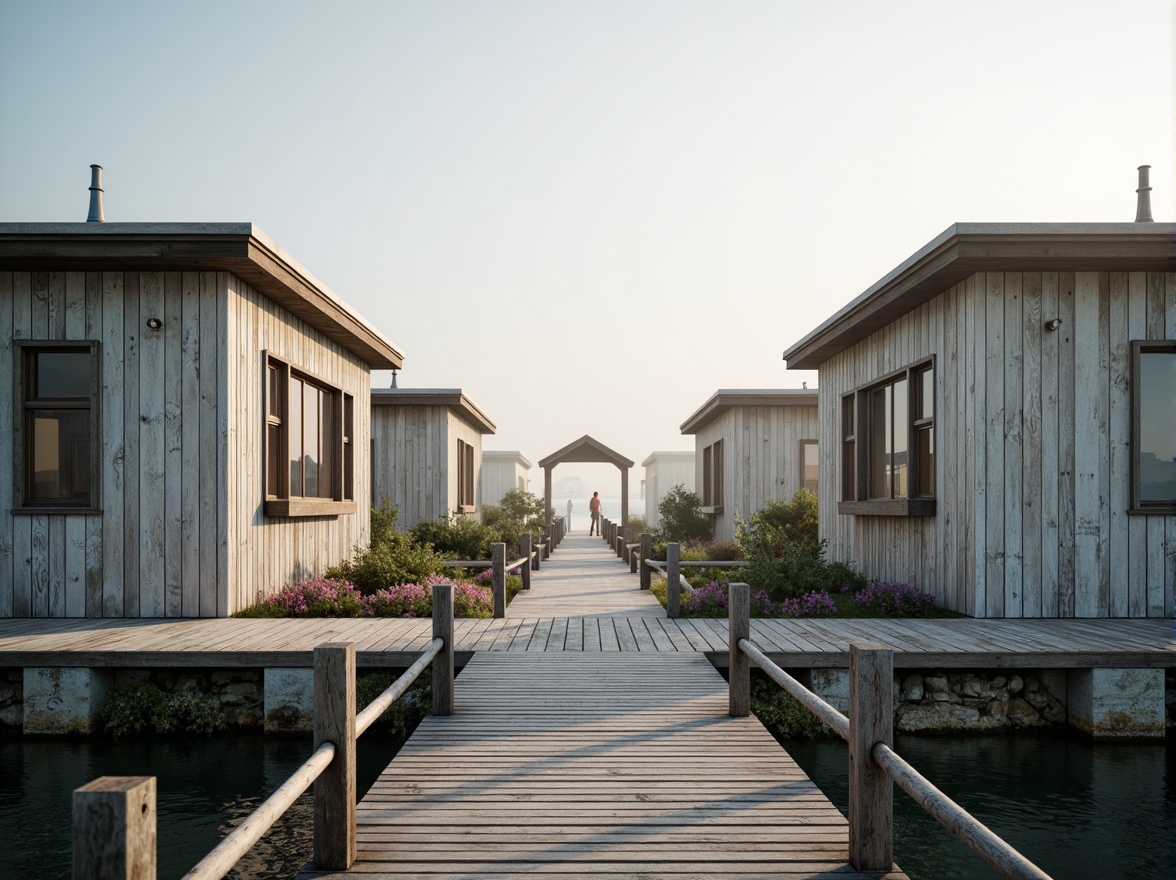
466 500
712 477
857 447
278 502
801 448
23 352
1138 506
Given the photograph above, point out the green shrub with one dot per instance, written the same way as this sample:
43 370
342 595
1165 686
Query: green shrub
390 558
781 524
144 708
682 517
501 528
455 537
783 714
723 551
525 510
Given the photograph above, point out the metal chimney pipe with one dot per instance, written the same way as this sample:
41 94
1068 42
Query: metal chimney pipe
1143 212
96 215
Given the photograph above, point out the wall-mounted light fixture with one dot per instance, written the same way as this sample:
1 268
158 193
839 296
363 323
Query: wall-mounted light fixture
1053 325
154 323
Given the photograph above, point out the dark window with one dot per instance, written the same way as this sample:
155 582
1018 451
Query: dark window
465 476
809 465
1153 427
888 444
712 475
308 455
59 423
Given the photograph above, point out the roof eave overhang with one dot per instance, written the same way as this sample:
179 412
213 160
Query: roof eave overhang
967 248
724 399
586 449
451 398
239 248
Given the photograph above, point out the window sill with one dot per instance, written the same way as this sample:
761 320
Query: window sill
1157 510
892 507
712 509
293 507
466 508
56 510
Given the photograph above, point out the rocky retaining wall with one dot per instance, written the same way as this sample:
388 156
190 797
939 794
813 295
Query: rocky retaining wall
971 701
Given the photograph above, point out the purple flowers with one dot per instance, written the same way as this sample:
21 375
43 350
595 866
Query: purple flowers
708 601
814 604
895 600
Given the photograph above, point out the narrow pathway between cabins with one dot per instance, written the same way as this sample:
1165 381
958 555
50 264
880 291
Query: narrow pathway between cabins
606 764
584 578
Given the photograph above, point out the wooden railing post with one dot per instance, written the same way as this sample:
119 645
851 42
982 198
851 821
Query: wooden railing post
738 664
645 570
114 829
871 793
673 582
525 551
443 662
632 558
498 582
547 548
334 722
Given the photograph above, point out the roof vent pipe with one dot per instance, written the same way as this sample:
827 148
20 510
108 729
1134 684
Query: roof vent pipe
1143 212
96 215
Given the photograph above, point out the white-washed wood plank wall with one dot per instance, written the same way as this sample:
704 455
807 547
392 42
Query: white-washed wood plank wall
1032 448
266 553
761 457
662 475
161 545
499 476
412 460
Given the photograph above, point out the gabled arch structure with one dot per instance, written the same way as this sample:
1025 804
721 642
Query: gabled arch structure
587 449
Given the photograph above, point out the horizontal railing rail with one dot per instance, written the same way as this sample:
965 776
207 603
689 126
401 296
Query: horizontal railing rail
528 560
107 830
873 763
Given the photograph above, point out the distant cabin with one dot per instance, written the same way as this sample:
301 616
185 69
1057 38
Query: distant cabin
664 471
182 420
998 420
504 472
751 447
427 452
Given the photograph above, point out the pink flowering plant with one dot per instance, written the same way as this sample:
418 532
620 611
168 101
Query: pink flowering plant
316 597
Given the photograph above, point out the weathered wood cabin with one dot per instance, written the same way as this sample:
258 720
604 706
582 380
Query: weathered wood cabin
664 471
750 447
181 422
1000 414
427 452
504 472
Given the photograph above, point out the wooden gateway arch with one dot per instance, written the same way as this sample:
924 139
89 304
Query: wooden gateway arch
587 449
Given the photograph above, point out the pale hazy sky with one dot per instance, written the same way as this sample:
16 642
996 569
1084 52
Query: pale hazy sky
590 215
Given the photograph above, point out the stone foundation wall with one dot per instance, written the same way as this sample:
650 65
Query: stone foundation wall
239 690
957 701
11 700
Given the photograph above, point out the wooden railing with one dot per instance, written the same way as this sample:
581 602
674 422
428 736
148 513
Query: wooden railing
671 569
873 763
114 816
499 567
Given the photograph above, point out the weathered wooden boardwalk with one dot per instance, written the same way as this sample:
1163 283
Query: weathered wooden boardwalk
602 765
560 615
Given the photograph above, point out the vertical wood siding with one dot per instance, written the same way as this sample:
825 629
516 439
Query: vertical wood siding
1032 448
662 475
499 476
761 457
411 461
170 491
266 553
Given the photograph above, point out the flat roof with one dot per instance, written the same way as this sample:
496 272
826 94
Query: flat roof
676 453
726 398
507 455
240 248
964 249
448 397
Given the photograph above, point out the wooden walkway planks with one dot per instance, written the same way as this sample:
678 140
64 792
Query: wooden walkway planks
578 764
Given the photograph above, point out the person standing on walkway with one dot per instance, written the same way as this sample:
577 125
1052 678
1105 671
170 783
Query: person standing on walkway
594 509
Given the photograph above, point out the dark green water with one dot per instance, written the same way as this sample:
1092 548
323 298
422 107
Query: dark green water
1076 810
203 787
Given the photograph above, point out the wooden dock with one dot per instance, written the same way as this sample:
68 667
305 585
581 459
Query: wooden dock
608 765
